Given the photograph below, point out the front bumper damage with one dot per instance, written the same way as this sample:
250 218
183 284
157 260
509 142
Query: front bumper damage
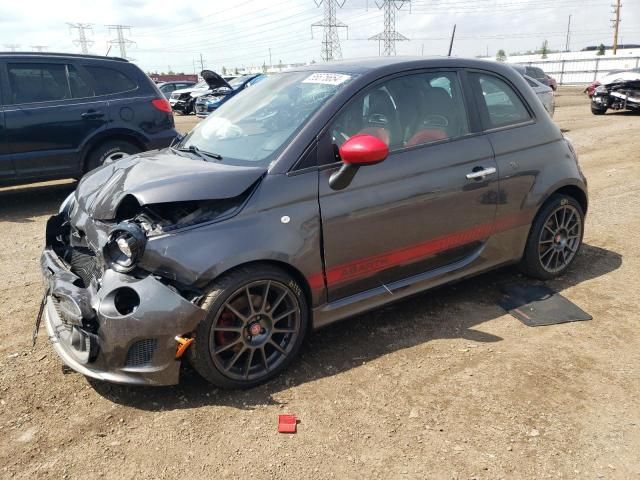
120 328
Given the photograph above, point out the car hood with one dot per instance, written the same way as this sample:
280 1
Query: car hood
161 177
621 77
213 79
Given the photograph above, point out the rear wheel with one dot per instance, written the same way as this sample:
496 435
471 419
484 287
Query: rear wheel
110 151
554 239
257 319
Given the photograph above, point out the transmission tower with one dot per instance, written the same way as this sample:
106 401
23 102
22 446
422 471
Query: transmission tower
122 42
39 48
12 46
330 24
83 42
389 37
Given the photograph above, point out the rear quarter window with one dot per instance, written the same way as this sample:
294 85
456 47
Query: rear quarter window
503 105
109 80
37 82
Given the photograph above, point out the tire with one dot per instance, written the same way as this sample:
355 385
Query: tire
551 248
110 150
598 110
245 334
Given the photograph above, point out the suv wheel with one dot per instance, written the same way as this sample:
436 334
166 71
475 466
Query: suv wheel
257 319
110 151
554 239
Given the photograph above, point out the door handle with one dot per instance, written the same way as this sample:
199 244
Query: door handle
480 173
92 115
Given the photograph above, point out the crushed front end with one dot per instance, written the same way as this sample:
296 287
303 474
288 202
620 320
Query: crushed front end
118 326
619 95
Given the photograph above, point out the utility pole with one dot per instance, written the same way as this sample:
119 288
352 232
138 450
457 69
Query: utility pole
566 46
39 48
330 24
83 42
616 26
270 61
201 63
453 36
12 46
390 36
122 42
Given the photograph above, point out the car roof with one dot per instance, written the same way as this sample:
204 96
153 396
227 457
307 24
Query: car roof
44 55
370 64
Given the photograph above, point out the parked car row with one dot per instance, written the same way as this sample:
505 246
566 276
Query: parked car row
210 93
62 115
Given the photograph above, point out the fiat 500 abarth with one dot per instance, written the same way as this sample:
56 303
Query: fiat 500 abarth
313 196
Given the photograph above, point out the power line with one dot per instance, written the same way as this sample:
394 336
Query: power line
122 42
330 24
83 42
616 26
390 36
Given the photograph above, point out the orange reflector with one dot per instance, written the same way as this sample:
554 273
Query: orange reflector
183 344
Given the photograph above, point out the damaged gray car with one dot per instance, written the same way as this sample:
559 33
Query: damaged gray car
315 195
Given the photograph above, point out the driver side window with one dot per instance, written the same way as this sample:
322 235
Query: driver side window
406 111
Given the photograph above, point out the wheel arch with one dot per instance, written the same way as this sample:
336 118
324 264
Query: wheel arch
284 266
572 191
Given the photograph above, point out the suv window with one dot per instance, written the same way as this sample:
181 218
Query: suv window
536 73
109 80
504 107
79 88
38 82
406 111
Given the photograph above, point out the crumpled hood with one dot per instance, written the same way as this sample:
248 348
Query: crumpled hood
161 177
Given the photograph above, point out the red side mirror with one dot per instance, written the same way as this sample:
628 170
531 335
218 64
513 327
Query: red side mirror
363 149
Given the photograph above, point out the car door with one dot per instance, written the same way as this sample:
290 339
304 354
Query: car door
431 203
51 112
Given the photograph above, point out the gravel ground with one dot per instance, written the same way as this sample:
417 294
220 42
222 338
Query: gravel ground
443 385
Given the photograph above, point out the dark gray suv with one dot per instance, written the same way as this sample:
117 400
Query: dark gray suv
315 195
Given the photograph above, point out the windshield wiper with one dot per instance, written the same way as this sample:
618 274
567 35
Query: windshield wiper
201 153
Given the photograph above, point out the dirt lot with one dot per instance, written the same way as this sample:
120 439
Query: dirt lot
444 385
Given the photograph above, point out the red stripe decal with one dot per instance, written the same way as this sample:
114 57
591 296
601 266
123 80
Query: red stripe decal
369 265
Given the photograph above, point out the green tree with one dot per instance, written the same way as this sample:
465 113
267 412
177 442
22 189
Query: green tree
235 71
501 56
544 50
601 49
280 65
264 67
224 70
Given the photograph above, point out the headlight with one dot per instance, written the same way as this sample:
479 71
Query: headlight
601 89
125 246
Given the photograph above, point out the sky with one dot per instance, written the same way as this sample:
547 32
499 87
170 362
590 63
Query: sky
172 35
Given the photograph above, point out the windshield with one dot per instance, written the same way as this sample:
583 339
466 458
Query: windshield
201 84
254 125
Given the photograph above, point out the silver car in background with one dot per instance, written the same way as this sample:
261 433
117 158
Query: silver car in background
544 93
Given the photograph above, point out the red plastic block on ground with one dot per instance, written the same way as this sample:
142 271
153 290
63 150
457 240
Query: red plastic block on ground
287 423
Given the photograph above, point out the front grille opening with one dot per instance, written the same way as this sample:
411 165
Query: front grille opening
141 353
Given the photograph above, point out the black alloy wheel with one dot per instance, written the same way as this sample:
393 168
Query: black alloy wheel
254 329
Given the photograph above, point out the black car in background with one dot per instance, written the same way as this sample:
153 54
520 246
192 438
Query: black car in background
168 87
62 115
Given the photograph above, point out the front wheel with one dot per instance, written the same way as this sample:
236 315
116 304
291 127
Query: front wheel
257 319
554 239
596 110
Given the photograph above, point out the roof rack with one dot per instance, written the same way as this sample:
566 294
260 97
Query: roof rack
59 54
